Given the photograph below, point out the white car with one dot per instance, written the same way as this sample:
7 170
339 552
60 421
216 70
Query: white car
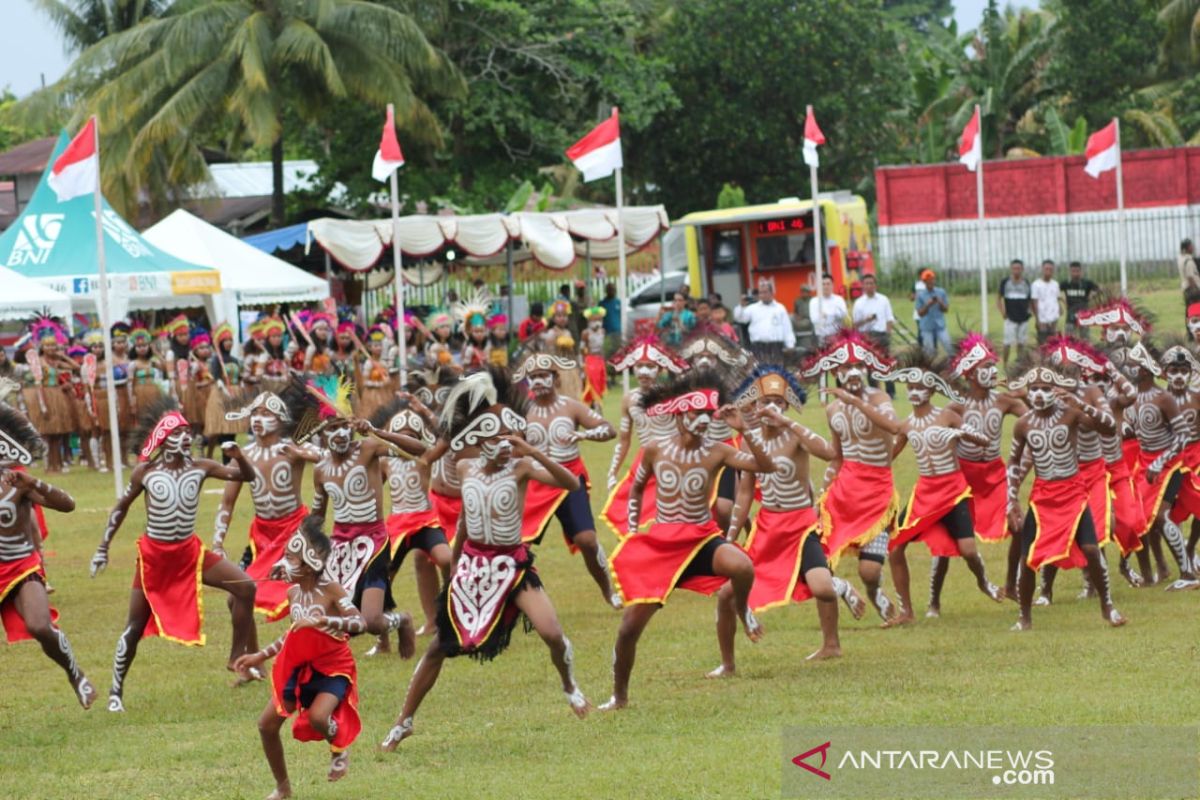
649 298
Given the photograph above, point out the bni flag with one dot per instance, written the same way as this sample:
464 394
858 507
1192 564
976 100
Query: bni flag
598 153
388 157
77 170
970 144
1103 150
812 138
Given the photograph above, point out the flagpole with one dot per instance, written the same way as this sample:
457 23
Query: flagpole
981 235
397 260
1121 210
110 389
820 248
621 269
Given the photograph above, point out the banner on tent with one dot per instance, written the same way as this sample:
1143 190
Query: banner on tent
153 283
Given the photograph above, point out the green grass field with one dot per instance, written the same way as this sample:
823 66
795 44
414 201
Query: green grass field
504 729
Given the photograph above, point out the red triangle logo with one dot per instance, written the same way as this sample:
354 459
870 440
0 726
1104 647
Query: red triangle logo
823 749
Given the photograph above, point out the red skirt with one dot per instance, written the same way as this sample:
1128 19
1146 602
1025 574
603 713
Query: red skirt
859 505
402 526
356 545
1129 521
775 545
1152 493
1187 503
541 501
932 498
1131 451
989 497
448 510
170 574
616 508
1095 477
480 598
12 575
1057 507
647 566
597 379
309 650
268 538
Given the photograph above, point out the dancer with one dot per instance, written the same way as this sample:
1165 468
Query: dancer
147 368
228 375
314 675
48 396
1058 527
1128 516
166 599
595 370
25 609
494 580
1182 371
648 358
555 425
278 469
859 503
784 543
195 389
684 547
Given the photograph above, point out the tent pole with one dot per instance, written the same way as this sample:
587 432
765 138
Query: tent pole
622 269
508 266
397 256
110 389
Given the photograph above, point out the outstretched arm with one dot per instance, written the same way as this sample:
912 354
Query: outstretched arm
1018 468
405 444
624 439
815 444
224 514
757 459
542 468
40 492
640 478
100 559
595 427
239 470
881 415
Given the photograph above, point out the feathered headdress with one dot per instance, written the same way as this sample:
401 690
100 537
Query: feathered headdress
119 329
479 406
771 380
176 324
697 390
847 347
200 339
559 306
471 311
971 351
43 328
1063 350
223 331
269 400
155 423
714 345
334 393
497 320
595 312
1033 367
1117 312
20 442
540 362
93 337
647 349
915 367
439 319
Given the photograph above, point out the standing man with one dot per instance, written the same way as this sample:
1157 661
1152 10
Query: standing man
873 316
1189 275
1046 298
827 311
1013 301
534 324
931 307
768 326
612 318
1078 291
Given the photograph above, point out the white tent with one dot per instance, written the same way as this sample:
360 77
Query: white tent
24 297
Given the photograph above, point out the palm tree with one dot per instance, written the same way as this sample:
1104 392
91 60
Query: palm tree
82 23
1181 44
237 66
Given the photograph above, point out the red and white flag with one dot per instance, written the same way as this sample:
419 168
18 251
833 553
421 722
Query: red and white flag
812 138
970 144
1103 150
77 170
388 157
598 154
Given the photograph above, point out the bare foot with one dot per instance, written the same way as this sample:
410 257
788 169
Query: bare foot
383 644
993 591
115 705
1130 574
754 628
904 618
406 637
399 732
1022 625
339 765
1010 593
579 704
855 602
1115 618
282 791
86 693
720 672
427 629
614 704
933 612
1184 585
244 676
825 652
1042 600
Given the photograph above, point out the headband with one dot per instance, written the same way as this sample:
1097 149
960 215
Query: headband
165 426
308 554
848 352
413 421
709 345
1177 351
268 399
973 351
543 362
1042 375
921 377
651 352
1073 356
1139 355
12 452
773 384
699 400
1116 314
487 425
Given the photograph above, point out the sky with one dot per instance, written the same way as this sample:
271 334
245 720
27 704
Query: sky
32 47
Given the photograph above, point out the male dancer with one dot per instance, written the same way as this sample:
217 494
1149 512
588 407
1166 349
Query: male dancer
784 543
1182 371
937 512
859 503
555 425
494 580
648 358
1128 517
166 600
1058 526
25 609
684 547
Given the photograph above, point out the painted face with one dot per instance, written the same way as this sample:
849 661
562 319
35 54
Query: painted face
338 437
179 442
987 375
918 395
1193 325
851 377
696 422
496 451
1041 396
645 374
1116 334
541 383
778 404
1177 377
706 361
263 422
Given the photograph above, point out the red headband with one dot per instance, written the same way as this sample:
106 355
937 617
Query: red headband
699 400
1193 310
162 429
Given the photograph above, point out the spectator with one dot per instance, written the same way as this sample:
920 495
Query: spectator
1078 291
675 321
1189 275
873 316
918 287
739 314
612 318
827 311
1047 302
721 324
932 304
768 328
703 313
534 325
1014 300
581 301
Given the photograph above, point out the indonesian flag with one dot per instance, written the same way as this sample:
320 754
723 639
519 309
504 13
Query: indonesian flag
812 138
970 144
388 157
1103 150
77 170
598 154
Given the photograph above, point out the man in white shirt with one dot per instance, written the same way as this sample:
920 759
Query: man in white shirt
873 316
827 311
769 327
1046 299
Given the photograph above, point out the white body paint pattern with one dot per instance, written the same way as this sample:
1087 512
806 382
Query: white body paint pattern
781 489
984 416
682 484
172 500
491 508
551 432
15 544
1054 456
404 483
861 439
348 488
274 494
933 445
445 469
1153 431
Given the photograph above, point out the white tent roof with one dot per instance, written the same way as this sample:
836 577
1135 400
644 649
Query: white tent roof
254 277
24 297
549 237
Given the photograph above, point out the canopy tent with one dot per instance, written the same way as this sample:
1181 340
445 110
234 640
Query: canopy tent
23 298
248 275
55 244
280 238
548 238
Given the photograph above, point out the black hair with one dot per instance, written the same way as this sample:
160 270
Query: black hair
312 529
382 417
148 417
1075 264
536 309
465 401
18 427
1016 261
